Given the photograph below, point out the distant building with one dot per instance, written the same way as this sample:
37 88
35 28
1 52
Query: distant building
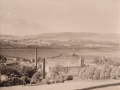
63 68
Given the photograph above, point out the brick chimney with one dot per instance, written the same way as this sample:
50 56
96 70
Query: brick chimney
81 61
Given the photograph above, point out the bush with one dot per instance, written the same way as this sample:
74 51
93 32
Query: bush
69 77
3 69
24 80
118 73
36 78
25 70
85 74
82 70
90 72
113 72
96 75
59 79
102 73
44 81
8 70
3 83
3 59
11 81
107 73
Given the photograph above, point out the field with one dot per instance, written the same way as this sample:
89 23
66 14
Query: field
88 54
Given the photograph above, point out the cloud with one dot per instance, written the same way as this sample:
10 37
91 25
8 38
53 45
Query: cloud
61 16
13 24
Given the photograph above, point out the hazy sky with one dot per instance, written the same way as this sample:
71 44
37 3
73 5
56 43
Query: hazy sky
27 17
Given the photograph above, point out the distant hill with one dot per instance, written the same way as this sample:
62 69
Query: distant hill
70 36
63 39
79 36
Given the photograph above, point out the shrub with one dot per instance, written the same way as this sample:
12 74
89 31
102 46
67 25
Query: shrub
8 70
36 78
102 73
96 75
25 70
3 59
107 73
3 69
59 79
113 72
11 81
91 72
24 80
82 70
44 81
3 83
85 74
69 77
118 73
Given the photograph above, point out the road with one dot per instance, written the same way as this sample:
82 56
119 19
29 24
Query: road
69 85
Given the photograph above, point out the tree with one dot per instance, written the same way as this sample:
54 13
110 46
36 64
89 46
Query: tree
73 54
96 75
85 74
27 71
3 69
8 70
36 78
107 73
82 70
118 73
55 71
113 72
3 59
91 72
102 73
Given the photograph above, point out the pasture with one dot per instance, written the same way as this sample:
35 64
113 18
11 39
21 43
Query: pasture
88 54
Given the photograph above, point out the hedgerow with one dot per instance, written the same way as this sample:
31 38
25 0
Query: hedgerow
96 73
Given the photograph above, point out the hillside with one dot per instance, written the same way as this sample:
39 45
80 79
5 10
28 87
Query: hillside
62 39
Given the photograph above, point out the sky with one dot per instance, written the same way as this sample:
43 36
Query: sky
30 17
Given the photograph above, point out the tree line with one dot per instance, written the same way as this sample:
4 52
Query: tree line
96 73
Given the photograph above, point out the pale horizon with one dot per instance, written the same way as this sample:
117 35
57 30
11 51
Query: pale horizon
33 17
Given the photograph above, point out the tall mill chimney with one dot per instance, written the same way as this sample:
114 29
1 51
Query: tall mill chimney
81 61
43 68
36 57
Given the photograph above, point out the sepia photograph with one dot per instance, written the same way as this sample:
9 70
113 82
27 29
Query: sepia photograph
59 44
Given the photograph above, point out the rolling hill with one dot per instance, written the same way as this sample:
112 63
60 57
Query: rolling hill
64 39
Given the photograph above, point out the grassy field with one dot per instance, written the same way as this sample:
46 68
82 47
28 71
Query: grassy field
88 54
